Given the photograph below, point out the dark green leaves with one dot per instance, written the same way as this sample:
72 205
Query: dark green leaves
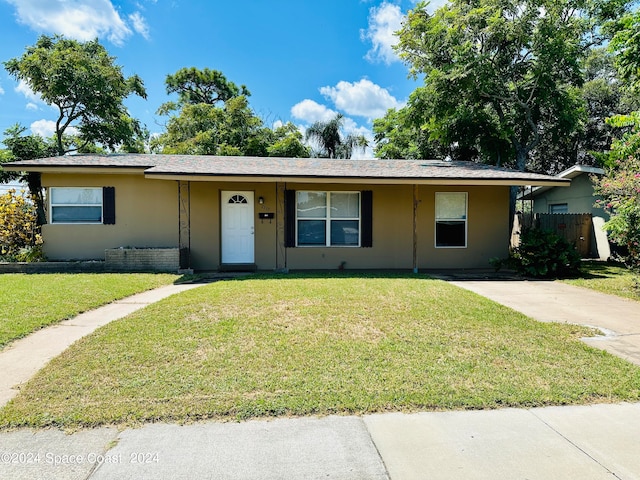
85 85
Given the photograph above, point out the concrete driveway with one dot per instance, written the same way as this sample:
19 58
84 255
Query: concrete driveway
554 301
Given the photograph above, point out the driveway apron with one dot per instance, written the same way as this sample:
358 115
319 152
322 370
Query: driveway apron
553 301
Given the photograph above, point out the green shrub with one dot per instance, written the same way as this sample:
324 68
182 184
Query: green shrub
544 253
20 238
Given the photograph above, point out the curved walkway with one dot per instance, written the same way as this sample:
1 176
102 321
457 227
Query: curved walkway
21 359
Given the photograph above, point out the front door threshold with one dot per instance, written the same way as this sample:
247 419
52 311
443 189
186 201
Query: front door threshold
238 267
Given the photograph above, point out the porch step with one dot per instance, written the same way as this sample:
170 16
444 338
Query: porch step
238 267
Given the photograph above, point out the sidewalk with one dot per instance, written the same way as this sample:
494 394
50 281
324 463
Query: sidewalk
578 442
582 443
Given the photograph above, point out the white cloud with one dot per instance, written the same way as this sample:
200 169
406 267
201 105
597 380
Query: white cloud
44 128
384 21
32 106
83 21
435 4
350 127
310 111
363 98
1 90
47 128
25 90
139 24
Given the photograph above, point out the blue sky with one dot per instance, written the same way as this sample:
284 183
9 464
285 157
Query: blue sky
302 61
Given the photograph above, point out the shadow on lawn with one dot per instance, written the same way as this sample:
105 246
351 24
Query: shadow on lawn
599 270
449 274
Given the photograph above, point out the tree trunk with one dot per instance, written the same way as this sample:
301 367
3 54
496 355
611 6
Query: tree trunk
522 154
35 189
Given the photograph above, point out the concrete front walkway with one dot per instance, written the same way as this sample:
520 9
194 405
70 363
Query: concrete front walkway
553 301
23 358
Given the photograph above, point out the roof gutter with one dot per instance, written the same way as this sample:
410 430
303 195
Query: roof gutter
356 180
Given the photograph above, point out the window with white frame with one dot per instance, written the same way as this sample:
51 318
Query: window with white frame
451 219
328 218
75 204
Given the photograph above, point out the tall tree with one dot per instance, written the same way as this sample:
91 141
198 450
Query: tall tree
287 142
82 81
332 142
407 133
603 95
212 117
503 70
204 129
625 43
195 86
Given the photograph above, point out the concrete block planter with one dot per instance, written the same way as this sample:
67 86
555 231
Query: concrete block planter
142 259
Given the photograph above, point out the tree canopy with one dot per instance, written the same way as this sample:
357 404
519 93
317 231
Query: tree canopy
499 75
85 85
625 43
195 86
212 117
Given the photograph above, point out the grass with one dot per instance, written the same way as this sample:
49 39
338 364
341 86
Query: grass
31 302
305 344
610 278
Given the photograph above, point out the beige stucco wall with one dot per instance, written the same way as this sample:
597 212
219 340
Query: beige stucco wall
488 214
205 223
392 233
487 228
578 197
146 216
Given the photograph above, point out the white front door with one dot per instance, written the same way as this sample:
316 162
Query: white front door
237 227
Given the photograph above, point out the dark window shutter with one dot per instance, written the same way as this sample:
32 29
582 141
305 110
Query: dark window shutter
109 205
367 218
289 218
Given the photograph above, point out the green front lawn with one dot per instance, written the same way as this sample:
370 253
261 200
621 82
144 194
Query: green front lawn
31 302
313 344
610 278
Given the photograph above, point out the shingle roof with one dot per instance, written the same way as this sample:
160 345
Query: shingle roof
282 168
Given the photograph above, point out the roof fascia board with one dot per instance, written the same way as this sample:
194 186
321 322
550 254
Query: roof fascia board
576 170
359 180
70 169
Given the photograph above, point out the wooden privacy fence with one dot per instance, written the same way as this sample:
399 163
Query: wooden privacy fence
574 227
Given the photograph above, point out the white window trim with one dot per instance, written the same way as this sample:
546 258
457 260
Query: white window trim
328 219
465 219
52 205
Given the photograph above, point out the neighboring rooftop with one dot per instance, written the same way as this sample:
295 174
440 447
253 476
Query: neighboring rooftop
304 169
12 185
569 174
